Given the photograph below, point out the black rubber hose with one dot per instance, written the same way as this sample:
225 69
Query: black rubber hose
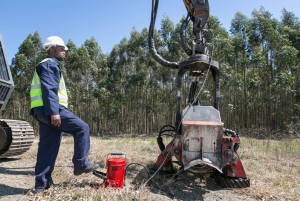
130 164
160 143
161 133
184 44
165 126
151 42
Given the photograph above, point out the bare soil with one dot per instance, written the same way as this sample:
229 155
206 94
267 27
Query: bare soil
17 177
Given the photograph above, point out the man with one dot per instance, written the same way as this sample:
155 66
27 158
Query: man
49 102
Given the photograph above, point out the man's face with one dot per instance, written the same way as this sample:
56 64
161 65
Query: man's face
59 53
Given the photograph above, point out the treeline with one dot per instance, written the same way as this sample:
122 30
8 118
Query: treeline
126 91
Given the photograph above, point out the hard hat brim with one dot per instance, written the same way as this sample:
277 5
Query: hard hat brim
47 47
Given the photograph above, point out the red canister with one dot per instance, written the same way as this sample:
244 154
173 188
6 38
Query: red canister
115 172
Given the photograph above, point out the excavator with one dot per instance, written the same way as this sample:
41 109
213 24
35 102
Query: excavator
199 140
16 136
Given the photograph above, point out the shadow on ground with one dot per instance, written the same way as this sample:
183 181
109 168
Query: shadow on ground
17 170
8 190
184 185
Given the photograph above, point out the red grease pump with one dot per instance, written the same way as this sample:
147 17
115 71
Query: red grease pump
115 170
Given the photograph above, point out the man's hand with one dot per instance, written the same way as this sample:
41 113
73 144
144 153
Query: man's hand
55 120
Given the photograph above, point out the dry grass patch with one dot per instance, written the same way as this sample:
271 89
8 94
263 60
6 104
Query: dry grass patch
273 167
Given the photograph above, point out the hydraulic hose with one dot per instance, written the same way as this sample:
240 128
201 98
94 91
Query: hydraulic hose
184 44
151 42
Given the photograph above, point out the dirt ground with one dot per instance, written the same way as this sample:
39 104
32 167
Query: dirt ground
17 181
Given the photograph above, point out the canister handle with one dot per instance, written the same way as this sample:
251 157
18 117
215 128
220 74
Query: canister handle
116 154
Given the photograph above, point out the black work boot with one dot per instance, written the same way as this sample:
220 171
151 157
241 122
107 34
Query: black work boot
51 184
88 169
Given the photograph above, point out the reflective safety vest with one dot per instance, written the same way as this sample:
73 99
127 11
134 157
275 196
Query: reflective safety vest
36 91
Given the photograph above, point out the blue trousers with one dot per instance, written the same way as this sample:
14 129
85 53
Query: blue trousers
50 139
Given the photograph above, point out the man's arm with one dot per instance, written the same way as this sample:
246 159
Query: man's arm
50 76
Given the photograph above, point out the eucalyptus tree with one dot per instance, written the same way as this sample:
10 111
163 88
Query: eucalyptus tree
29 54
78 66
129 83
115 85
85 67
291 30
266 42
240 63
144 87
169 47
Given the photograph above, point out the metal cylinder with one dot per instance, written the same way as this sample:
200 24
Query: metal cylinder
115 172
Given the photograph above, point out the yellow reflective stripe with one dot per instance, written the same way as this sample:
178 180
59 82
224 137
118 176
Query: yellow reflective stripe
64 103
36 98
35 87
63 98
36 101
61 92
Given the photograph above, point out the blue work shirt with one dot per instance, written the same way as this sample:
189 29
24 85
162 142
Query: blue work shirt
49 73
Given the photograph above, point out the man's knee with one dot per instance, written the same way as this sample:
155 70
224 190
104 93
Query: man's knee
85 128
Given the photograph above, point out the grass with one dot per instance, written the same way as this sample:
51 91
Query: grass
89 187
272 166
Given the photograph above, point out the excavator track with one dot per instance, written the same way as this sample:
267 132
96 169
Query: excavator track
16 137
232 182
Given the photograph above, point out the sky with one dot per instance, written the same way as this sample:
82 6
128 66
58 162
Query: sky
109 21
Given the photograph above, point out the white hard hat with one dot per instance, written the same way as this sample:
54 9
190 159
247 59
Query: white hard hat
52 41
